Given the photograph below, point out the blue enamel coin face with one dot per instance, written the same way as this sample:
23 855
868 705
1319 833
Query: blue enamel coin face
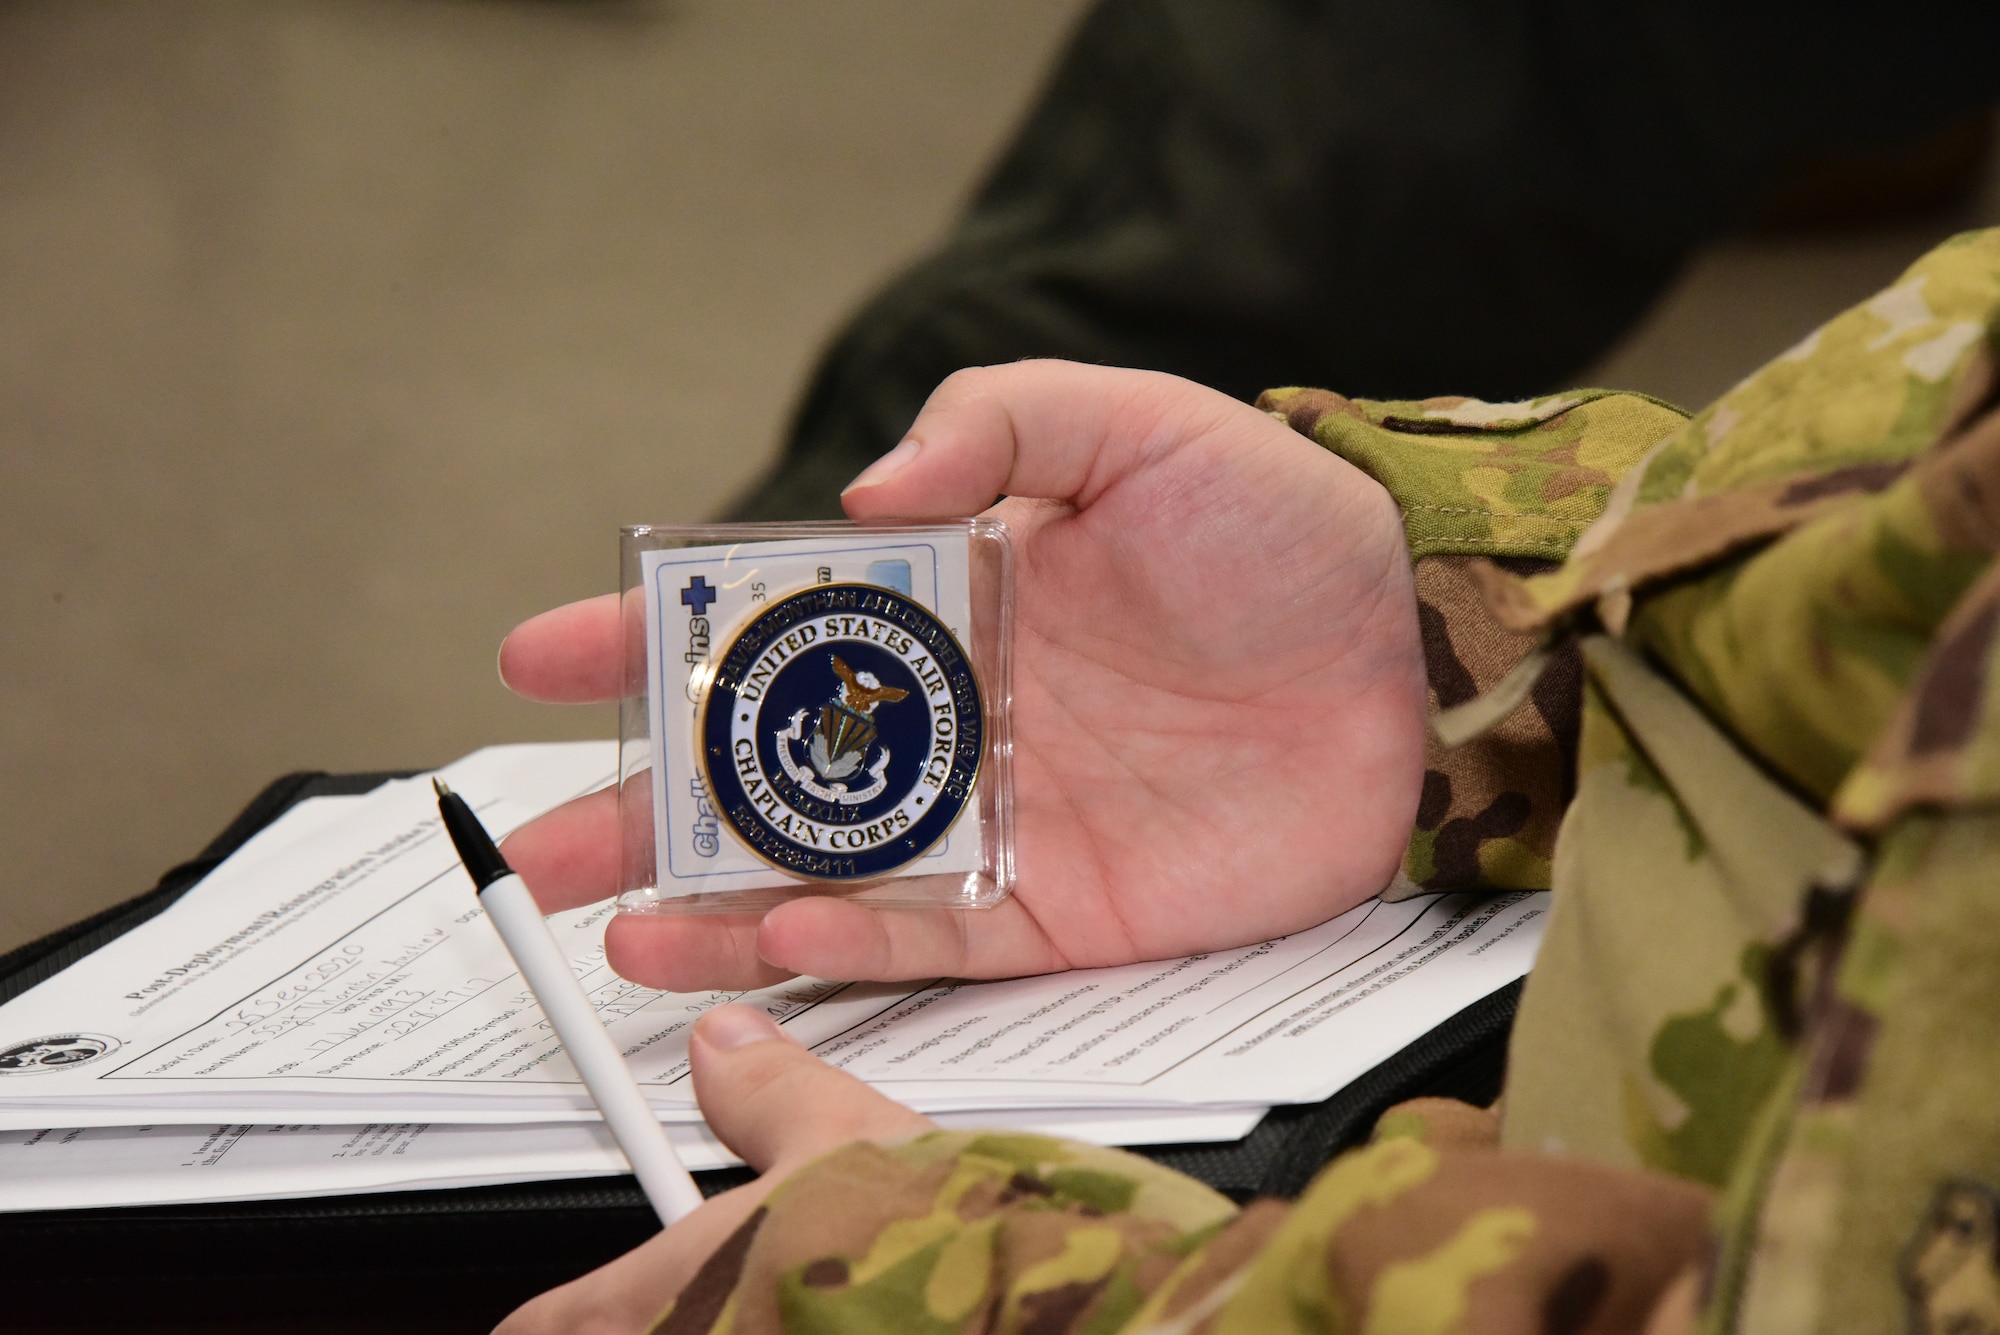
842 732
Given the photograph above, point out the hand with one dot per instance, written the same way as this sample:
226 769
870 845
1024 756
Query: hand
1218 692
751 1079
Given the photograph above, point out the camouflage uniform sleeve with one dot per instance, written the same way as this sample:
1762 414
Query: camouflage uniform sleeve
1515 484
1771 964
1431 1228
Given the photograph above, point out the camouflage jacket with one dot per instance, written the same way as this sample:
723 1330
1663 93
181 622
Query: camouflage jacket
1727 680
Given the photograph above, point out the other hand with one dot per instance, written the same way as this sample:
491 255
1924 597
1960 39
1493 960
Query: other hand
751 1080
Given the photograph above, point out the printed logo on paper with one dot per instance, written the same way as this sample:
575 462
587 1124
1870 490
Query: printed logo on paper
842 733
56 1052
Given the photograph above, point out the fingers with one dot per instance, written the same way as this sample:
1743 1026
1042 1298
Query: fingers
568 655
832 938
776 1104
693 953
827 937
570 856
1040 429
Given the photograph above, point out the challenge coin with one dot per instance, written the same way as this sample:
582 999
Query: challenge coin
842 732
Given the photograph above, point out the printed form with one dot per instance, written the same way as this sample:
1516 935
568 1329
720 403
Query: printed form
73 1168
338 974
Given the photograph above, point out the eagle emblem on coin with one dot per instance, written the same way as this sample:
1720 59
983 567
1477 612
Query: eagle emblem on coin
842 733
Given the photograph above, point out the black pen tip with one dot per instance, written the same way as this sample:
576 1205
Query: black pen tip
475 846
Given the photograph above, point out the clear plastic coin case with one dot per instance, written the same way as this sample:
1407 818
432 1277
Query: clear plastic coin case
815 709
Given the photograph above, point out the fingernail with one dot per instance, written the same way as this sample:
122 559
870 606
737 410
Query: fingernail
728 1028
890 464
500 661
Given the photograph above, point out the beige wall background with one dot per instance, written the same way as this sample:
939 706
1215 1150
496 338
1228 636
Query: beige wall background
337 336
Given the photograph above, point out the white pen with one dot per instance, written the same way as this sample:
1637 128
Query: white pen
518 919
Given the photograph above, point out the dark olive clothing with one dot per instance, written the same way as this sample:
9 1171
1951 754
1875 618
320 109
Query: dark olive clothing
1383 197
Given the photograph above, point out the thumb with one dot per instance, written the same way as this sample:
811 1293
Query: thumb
776 1104
1039 430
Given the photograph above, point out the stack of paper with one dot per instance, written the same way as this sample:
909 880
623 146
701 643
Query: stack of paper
329 1011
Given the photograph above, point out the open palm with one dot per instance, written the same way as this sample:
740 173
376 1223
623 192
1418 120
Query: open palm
1218 701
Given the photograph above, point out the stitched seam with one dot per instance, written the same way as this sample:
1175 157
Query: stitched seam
1493 548
1475 546
1495 514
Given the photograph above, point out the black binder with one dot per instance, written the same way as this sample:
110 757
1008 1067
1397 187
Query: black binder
460 1260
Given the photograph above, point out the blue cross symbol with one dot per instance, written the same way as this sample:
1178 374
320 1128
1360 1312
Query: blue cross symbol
698 595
